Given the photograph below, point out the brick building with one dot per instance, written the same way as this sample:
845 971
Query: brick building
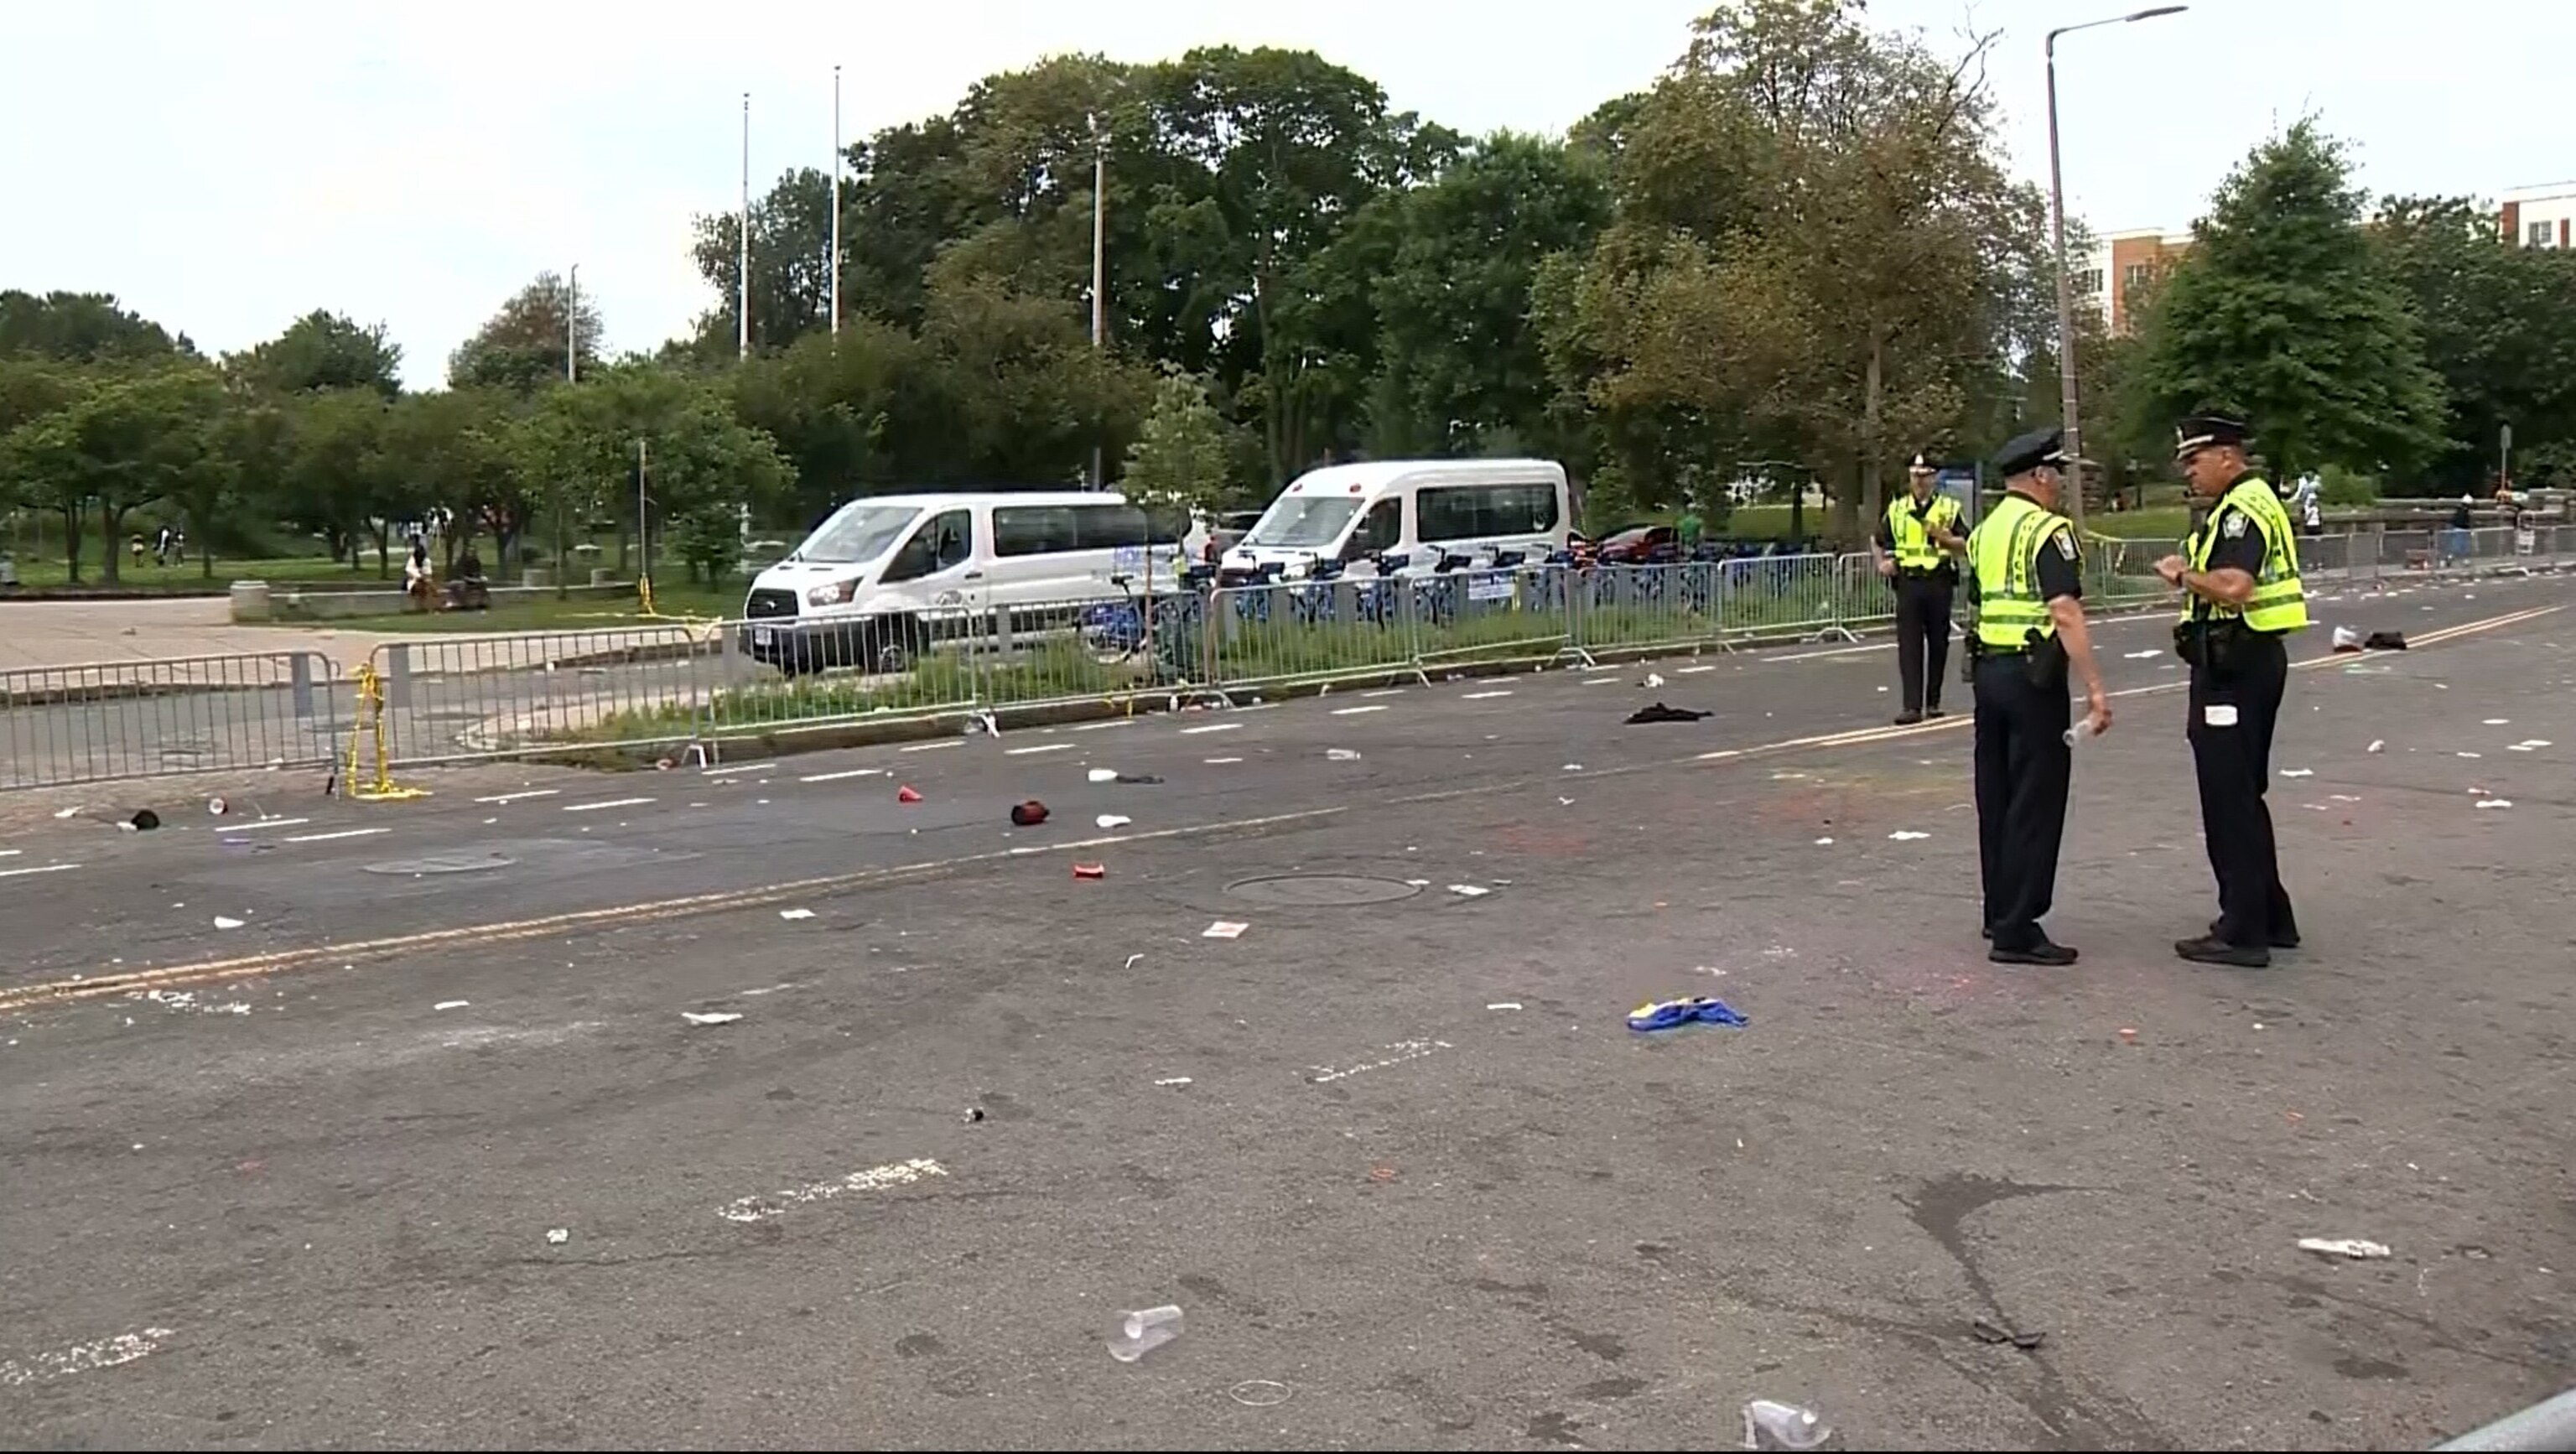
2540 216
2119 265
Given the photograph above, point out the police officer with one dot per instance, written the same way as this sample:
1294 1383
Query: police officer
2243 599
1915 540
2030 628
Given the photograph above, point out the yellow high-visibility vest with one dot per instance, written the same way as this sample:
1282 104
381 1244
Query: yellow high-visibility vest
2003 551
2280 601
1914 549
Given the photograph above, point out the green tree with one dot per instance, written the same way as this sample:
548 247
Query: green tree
1460 361
2284 312
521 349
120 443
81 328
336 465
2499 325
322 350
1180 455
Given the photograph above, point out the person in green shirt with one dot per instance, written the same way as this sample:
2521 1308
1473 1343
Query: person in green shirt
1690 527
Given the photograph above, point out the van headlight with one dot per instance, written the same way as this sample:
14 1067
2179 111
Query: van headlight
835 593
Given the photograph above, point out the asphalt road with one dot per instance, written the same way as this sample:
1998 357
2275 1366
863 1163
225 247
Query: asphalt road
301 1189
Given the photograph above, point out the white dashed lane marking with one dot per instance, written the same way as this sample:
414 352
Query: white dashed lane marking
334 837
833 777
1212 727
1355 711
928 746
515 797
611 803
1482 696
48 868
1041 747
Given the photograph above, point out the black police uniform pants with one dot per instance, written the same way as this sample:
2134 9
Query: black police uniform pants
2023 766
2233 760
1922 639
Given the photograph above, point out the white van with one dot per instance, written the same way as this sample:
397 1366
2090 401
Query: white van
885 575
1418 509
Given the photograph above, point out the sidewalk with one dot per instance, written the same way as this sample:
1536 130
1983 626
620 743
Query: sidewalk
40 634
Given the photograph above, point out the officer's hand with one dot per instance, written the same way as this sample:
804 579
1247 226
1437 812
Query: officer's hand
2171 568
2097 710
1886 567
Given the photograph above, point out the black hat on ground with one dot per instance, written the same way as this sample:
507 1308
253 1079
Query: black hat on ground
2207 431
2031 451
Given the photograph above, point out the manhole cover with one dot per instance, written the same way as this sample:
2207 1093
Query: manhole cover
441 863
1321 890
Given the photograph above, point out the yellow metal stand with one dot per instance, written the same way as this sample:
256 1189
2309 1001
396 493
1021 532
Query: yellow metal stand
644 595
371 706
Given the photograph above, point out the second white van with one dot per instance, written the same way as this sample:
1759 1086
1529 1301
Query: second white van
1420 510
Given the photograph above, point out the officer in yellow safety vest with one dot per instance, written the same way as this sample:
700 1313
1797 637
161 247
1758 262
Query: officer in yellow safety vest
2029 578
2243 598
1915 540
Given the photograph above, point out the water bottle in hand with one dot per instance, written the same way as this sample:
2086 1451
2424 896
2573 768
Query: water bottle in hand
2082 731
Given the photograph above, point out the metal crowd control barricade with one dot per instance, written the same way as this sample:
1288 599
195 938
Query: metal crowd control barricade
1506 614
1637 608
461 699
120 720
1775 597
2547 1425
1304 633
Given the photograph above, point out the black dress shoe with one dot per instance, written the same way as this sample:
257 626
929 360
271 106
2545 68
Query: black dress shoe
2042 953
1986 932
2213 950
2279 941
1908 719
1934 712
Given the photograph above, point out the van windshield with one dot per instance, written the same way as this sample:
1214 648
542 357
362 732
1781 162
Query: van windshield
858 534
1304 522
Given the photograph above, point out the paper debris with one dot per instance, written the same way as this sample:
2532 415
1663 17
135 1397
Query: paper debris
1174 1080
2352 1247
1104 774
1574 767
2375 745
67 813
2495 802
1112 820
2298 772
796 913
2498 722
1223 929
224 923
1824 843
1131 961
451 1004
720 1018
1906 835
1654 679
2469 754
1504 1005
1341 754
1469 891
557 1236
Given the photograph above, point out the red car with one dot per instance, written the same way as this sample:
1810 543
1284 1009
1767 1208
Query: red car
1640 544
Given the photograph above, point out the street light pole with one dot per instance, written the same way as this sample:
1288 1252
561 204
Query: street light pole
572 325
2074 443
836 201
742 235
1099 264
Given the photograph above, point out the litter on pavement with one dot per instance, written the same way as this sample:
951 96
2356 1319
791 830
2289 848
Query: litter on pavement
1223 929
1028 814
1173 1080
221 922
1661 713
2376 744
1144 1331
796 913
1113 820
1665 1014
906 795
1906 835
2495 802
718 1018
557 1236
144 820
1104 774
1469 891
1341 754
1997 1334
1091 870
1769 1425
1504 1005
451 1004
2298 772
2352 1247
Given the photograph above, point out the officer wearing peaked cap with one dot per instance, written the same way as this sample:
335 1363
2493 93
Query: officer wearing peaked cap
2030 629
1914 544
2242 599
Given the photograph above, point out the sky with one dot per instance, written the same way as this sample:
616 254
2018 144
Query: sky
225 168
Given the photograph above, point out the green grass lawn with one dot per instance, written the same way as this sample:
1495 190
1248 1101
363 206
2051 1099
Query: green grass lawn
545 613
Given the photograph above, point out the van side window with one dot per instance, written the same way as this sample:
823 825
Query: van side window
1035 529
944 540
1469 512
1107 527
1380 530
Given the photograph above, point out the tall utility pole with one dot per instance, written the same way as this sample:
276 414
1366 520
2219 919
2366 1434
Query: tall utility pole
2074 443
572 325
742 235
836 201
1099 262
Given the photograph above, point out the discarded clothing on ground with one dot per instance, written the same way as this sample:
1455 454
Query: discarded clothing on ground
1661 713
1029 814
2385 641
1665 1014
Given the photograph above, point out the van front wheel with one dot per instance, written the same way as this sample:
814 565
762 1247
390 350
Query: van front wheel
893 645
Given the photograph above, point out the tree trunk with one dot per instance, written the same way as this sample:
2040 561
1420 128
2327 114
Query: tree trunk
72 540
1864 494
206 552
383 536
110 519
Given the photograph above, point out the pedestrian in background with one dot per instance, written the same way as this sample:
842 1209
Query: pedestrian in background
2243 598
2029 580
1916 541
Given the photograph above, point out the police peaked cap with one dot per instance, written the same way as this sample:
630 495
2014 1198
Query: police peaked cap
2207 431
2031 451
1922 463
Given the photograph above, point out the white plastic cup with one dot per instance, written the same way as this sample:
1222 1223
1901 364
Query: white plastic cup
2082 731
1144 1331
